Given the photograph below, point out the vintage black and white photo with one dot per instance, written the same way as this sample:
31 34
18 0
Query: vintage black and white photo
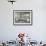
22 16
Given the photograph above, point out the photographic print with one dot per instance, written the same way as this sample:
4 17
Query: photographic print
22 17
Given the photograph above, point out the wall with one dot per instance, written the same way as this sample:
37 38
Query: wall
37 31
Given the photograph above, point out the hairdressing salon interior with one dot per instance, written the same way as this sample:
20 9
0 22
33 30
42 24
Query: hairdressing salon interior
19 35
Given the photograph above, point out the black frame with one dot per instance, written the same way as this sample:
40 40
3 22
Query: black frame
23 24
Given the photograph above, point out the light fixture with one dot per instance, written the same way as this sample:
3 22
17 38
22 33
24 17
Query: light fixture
12 1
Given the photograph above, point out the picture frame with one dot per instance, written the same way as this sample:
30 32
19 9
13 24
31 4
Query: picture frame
22 17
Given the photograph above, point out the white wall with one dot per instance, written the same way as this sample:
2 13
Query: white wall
37 31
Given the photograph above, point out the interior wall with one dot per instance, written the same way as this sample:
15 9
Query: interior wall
38 29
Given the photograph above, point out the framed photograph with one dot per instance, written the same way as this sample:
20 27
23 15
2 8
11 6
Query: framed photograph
22 17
